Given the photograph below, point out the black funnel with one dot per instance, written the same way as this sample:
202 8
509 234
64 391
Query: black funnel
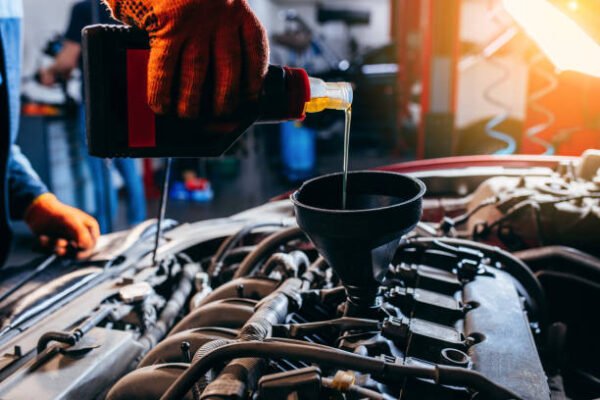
359 241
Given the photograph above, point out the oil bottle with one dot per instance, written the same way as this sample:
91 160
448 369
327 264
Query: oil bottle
120 123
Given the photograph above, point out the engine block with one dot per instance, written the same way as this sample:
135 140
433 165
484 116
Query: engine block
442 304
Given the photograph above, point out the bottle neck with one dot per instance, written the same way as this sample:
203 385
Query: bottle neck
289 93
328 96
284 95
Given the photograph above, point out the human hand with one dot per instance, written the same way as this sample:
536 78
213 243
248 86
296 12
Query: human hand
61 228
198 46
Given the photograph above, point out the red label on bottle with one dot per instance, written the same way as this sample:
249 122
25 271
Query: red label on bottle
140 118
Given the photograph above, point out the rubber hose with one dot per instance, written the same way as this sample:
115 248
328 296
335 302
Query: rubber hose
239 376
235 378
292 262
228 244
204 380
315 270
584 261
177 301
265 247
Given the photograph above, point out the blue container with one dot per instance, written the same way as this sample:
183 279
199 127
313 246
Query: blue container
298 148
178 191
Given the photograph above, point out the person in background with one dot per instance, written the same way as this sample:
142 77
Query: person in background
69 57
22 194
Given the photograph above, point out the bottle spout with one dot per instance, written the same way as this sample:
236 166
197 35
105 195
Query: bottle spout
328 96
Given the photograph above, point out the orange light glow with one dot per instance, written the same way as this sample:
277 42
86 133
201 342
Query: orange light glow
566 44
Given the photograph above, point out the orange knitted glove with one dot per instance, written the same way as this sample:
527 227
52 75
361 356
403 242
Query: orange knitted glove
197 46
60 227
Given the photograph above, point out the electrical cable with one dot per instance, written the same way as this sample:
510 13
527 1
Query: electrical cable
488 54
532 132
492 124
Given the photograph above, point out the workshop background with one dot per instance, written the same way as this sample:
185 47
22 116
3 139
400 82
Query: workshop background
432 78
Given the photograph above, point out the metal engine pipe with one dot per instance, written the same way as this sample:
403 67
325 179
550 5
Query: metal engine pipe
251 288
228 313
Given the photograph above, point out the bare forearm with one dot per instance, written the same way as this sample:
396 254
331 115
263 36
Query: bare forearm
66 60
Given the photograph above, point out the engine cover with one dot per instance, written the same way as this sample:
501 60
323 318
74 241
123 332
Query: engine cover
465 312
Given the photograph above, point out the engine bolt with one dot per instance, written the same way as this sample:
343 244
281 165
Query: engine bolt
185 350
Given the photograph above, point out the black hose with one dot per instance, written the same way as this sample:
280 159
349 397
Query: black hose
236 380
344 323
237 255
316 270
336 358
68 338
265 247
202 351
172 309
228 244
584 261
461 219
568 277
271 310
292 263
71 338
241 373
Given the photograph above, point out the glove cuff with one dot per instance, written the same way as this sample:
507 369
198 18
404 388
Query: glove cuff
112 6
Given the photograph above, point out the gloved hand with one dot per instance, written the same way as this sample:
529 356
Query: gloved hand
60 227
199 45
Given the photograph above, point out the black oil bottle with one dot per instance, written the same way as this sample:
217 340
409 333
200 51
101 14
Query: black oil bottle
120 123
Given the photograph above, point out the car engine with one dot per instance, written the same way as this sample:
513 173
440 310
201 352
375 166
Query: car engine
481 287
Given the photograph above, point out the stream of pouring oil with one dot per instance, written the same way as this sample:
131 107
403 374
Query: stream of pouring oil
347 121
334 96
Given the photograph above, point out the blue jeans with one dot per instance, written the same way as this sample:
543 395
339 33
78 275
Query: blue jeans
105 194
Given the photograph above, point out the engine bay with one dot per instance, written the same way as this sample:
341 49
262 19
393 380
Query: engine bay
482 287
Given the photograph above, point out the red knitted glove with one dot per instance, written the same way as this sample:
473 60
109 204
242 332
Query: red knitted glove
199 45
60 227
